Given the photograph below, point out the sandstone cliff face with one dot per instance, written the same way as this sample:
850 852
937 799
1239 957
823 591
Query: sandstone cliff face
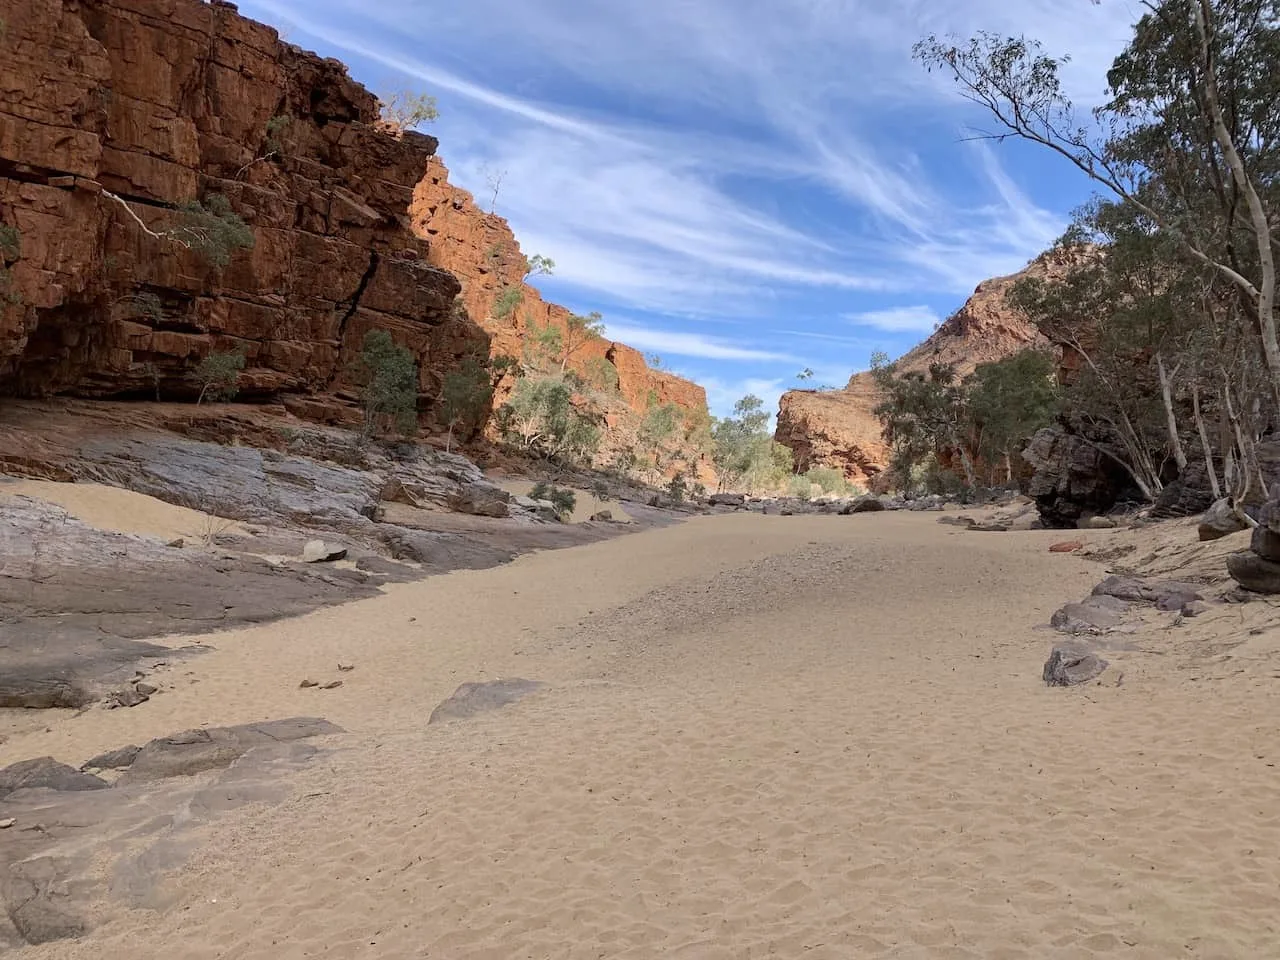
480 249
120 111
839 428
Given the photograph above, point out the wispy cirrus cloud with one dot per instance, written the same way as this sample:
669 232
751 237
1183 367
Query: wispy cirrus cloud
675 343
916 319
759 161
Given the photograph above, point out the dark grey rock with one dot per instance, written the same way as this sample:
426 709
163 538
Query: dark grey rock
113 759
603 516
1069 665
1195 608
146 689
1253 572
989 527
958 521
1220 520
480 499
1095 615
473 698
1265 542
46 772
194 751
125 697
727 499
868 504
1165 594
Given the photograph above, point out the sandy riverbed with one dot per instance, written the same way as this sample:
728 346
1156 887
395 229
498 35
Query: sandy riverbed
819 737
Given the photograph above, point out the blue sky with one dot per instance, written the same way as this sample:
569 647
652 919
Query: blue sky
743 187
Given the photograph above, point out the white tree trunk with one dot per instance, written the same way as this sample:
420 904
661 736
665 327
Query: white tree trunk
1171 419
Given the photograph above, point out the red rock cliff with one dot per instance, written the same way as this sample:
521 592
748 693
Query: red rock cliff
117 112
839 428
480 249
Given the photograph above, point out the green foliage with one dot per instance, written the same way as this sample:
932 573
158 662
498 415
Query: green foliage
829 479
506 303
678 487
218 375
540 416
654 361
213 230
10 249
563 500
501 367
144 304
800 487
804 375
275 127
10 242
1008 401
579 330
389 381
404 110
600 490
494 253
466 396
539 265
602 375
744 452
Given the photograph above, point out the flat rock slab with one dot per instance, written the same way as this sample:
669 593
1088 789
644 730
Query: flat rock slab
193 751
101 844
474 698
1165 594
1069 665
79 601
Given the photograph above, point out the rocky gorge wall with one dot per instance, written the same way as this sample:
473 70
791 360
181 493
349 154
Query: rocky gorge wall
480 249
116 114
839 428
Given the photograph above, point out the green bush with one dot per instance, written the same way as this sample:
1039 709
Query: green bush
213 230
800 487
829 479
563 500
218 374
507 302
389 381
466 395
541 417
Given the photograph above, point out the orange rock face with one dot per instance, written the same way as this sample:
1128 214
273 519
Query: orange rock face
480 249
118 112
839 428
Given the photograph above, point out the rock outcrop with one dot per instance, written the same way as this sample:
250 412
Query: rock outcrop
838 428
482 252
118 116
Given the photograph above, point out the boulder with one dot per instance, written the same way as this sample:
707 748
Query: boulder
1098 523
868 504
1069 665
481 500
603 516
48 773
1254 573
727 499
1094 615
317 551
1220 520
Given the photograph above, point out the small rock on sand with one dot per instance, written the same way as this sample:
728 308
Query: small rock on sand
1068 666
1067 546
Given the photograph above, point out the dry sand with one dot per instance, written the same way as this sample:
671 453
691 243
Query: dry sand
585 506
819 737
124 511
